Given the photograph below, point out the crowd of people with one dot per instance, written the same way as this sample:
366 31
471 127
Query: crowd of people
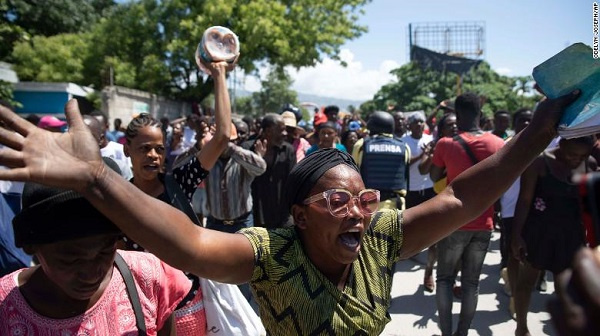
309 221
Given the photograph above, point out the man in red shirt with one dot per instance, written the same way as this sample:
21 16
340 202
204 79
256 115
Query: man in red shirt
469 243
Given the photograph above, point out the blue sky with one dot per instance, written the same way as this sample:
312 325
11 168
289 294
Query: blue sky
519 35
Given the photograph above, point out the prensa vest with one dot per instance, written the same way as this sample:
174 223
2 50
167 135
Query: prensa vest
383 164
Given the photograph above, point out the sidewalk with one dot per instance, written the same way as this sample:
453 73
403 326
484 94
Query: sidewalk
414 312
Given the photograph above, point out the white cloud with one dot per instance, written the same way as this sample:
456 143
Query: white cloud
330 79
504 71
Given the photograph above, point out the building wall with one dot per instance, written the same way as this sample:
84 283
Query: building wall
125 103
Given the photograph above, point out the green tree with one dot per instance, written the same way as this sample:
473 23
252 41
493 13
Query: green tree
150 45
21 19
422 89
275 91
52 59
244 106
6 93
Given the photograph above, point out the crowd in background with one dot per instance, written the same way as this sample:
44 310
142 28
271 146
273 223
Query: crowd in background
408 157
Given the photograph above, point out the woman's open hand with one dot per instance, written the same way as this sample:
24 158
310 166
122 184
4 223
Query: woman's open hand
69 160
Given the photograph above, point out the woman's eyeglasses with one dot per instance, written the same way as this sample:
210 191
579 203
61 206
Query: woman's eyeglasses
338 201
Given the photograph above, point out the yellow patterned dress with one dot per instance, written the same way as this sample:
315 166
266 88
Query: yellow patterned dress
297 299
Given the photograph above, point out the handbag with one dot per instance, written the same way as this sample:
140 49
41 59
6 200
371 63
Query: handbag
228 312
132 293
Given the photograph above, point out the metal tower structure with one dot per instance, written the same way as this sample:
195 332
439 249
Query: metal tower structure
461 39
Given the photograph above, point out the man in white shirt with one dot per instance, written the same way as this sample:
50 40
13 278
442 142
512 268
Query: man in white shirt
110 149
420 186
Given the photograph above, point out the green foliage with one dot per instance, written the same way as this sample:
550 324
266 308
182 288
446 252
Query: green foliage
367 108
53 17
20 19
9 35
419 89
244 106
95 98
150 45
275 91
305 114
52 59
6 93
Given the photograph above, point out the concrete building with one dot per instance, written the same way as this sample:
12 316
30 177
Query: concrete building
125 103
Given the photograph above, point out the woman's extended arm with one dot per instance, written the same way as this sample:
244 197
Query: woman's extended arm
480 186
72 161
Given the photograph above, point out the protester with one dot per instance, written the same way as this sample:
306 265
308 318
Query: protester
320 117
508 201
294 135
103 119
469 244
420 186
228 186
167 129
332 114
12 258
52 124
383 160
268 189
109 149
254 125
242 131
251 127
304 271
446 106
502 124
146 148
349 138
191 127
399 124
327 136
76 289
446 127
117 132
174 145
228 189
547 227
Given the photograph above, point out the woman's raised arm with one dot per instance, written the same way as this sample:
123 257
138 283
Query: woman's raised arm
480 186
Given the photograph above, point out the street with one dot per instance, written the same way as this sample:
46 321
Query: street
414 312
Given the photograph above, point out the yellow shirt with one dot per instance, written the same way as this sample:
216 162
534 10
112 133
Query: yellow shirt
295 298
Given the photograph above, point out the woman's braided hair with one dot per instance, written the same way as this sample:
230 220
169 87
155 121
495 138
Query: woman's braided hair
139 122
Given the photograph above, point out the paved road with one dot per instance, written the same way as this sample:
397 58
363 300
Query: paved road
414 311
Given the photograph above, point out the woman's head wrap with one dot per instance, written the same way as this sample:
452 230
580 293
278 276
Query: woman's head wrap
51 215
307 172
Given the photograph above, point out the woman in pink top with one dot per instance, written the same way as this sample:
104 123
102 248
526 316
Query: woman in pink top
76 289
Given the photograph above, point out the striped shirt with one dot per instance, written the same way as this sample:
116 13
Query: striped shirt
228 186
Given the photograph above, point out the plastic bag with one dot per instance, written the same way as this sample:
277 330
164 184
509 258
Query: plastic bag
228 312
